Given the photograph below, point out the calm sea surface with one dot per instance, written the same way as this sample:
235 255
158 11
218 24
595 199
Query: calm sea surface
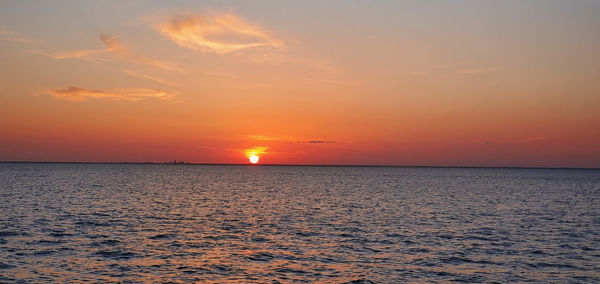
184 223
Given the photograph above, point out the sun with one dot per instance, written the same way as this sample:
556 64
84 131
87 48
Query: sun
253 154
253 159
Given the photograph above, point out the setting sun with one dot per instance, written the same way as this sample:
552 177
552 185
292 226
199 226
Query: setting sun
253 159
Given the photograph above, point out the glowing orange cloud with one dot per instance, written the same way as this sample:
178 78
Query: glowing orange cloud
218 33
256 151
123 94
115 46
77 54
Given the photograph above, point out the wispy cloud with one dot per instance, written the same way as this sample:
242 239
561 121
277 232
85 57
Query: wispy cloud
256 137
148 77
77 54
7 35
288 139
122 94
258 150
227 33
473 71
86 55
216 32
113 45
316 142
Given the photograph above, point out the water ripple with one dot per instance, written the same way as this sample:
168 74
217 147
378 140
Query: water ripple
165 223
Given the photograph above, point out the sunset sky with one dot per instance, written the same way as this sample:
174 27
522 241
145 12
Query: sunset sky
438 83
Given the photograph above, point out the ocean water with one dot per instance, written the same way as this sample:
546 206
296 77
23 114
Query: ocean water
271 224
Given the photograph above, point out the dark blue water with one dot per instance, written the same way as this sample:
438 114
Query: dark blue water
183 223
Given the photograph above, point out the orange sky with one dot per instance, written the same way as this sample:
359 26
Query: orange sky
391 83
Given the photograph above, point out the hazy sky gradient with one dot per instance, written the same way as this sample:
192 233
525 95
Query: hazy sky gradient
464 83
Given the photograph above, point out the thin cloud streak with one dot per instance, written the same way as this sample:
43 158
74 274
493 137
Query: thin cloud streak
216 33
288 139
265 138
317 142
77 94
115 46
77 54
147 77
474 71
7 35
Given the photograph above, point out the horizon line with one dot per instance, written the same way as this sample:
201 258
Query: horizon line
182 163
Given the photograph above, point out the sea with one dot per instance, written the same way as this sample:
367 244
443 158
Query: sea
131 223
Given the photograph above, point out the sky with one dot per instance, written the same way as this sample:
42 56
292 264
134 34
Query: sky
411 83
